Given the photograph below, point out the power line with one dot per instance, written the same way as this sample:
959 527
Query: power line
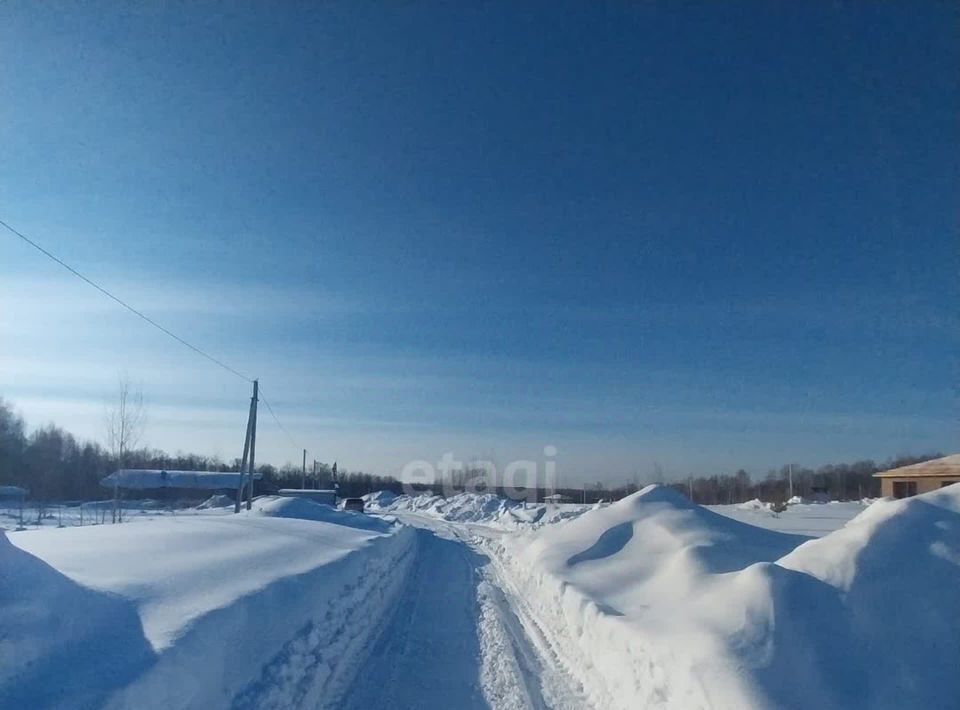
282 428
126 305
149 320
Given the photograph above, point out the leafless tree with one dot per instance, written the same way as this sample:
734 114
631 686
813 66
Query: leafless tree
125 420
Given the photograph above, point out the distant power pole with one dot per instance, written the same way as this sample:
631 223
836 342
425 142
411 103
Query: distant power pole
790 479
303 471
314 474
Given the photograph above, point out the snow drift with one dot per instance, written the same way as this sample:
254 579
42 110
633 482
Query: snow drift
481 508
894 575
656 602
217 500
302 509
62 643
255 610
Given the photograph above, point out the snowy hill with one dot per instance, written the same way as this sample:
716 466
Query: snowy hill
656 602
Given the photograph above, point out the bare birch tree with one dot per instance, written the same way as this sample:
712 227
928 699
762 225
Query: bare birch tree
125 421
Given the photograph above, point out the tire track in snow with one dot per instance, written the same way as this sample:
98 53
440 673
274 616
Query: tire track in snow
428 655
508 673
321 658
516 667
543 669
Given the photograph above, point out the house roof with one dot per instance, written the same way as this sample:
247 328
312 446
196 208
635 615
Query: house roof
143 478
946 467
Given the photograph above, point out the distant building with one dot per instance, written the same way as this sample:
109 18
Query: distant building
168 485
917 478
156 479
13 492
554 498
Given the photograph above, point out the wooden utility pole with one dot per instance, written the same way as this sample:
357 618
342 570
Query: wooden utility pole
253 443
303 471
314 475
249 449
790 478
243 461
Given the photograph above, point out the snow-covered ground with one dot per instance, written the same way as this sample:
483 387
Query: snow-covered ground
75 514
265 609
812 519
656 602
473 601
458 638
485 508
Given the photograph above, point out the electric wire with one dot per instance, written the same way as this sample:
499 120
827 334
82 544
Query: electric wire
282 428
126 305
149 320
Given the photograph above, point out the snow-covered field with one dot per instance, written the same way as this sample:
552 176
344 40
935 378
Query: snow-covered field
96 512
473 601
812 519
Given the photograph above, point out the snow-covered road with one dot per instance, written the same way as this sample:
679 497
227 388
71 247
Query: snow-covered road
429 652
457 637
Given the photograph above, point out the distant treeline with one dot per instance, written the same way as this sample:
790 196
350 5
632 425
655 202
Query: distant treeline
843 481
55 466
351 483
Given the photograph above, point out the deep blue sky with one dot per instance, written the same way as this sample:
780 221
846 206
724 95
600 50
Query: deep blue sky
698 234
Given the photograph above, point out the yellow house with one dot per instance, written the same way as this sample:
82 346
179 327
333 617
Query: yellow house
917 478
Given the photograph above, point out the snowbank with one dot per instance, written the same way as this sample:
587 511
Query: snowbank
755 504
481 508
60 642
218 500
303 509
256 610
656 602
894 573
379 499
